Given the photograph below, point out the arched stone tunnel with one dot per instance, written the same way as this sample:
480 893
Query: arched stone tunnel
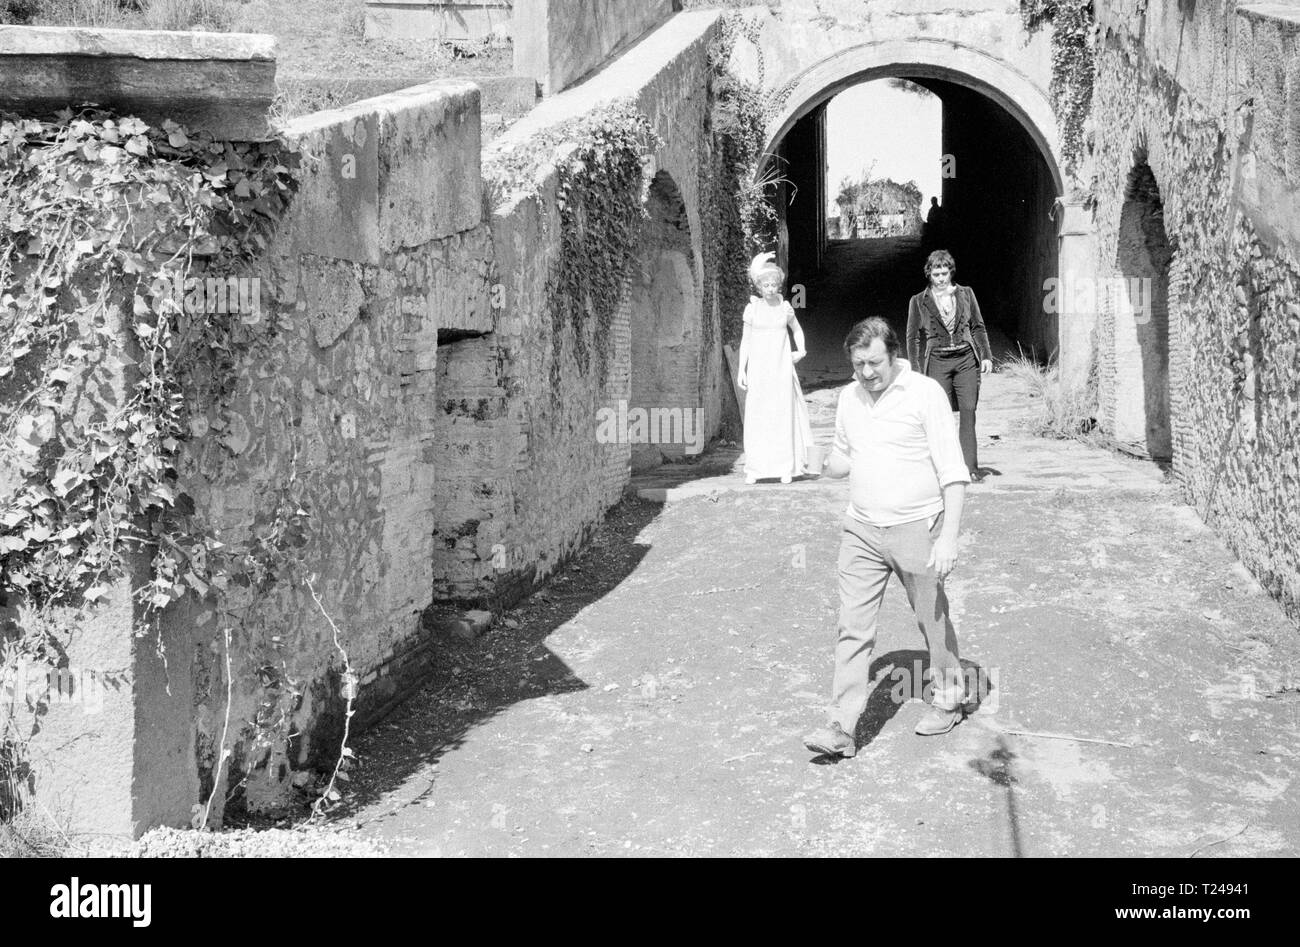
1000 185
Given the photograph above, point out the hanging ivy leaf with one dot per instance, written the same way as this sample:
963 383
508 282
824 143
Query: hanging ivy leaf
89 204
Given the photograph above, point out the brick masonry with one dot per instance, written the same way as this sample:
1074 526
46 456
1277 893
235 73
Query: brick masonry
1212 124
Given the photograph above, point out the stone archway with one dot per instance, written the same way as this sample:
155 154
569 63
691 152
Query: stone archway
1005 228
1138 327
665 323
945 60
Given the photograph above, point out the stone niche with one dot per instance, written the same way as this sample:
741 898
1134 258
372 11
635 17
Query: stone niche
454 21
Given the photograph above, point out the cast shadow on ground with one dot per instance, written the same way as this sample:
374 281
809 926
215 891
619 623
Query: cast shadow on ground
472 682
828 379
997 768
900 675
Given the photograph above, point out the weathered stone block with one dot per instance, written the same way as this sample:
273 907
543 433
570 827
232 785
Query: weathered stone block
461 293
222 83
334 297
336 211
362 164
429 145
559 41
468 626
450 20
510 96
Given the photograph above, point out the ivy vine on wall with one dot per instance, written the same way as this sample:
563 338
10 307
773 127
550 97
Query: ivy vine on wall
744 202
111 230
105 225
601 197
601 194
1073 66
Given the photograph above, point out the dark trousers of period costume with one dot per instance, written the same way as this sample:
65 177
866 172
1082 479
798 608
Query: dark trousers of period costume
959 374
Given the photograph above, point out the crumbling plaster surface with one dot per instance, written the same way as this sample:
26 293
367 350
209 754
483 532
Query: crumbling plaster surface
1210 135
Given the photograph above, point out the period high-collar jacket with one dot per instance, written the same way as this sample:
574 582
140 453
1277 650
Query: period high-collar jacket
926 331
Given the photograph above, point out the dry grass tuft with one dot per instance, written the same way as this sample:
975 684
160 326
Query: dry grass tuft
31 833
79 12
1058 412
213 15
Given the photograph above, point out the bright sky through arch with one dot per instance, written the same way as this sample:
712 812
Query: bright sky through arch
901 131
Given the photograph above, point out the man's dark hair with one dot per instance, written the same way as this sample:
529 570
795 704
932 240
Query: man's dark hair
940 258
868 330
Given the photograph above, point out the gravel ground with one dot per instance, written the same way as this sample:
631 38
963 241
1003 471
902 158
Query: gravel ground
651 699
248 843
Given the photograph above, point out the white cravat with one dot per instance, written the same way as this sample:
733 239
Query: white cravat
947 303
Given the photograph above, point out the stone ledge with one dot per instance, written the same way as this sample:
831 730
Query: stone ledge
362 160
134 44
560 41
1284 13
507 95
658 54
448 21
221 83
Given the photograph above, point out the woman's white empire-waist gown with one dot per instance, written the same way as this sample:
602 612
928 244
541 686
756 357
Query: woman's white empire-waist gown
777 430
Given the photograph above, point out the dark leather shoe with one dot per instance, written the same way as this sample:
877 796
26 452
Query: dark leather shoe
831 741
938 721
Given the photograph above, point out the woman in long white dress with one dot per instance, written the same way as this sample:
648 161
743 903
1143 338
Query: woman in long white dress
777 430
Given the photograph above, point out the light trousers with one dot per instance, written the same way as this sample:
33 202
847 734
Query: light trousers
869 555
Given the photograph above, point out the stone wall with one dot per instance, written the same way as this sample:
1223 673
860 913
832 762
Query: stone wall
466 21
415 426
675 95
1204 102
443 437
384 247
1268 74
665 324
555 478
557 42
331 429
503 99
219 82
529 505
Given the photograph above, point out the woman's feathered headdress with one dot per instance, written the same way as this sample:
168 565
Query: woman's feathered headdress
762 264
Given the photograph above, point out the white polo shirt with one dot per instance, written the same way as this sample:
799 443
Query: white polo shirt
903 449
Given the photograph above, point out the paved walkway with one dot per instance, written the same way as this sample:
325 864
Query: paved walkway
651 699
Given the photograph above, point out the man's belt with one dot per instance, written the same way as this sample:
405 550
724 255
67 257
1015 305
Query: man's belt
951 349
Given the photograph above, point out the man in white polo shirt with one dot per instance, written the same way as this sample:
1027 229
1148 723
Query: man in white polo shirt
895 435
